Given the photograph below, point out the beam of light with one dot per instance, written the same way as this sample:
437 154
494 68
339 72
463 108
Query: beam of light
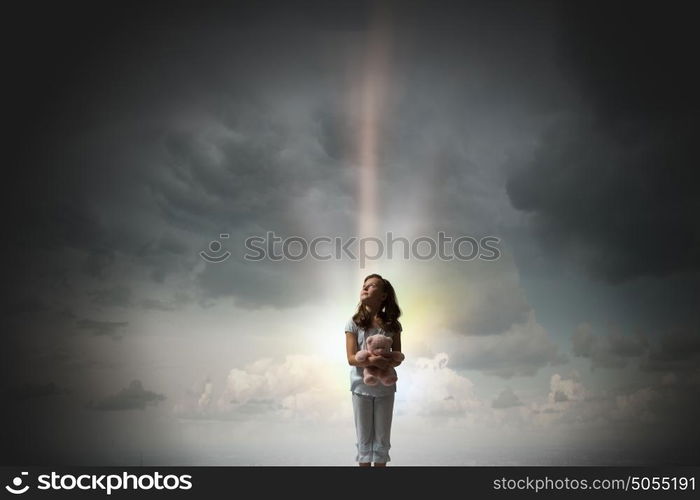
373 93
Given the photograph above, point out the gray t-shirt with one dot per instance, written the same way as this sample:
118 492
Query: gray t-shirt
356 373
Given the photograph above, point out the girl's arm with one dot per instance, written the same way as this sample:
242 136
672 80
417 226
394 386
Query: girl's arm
396 347
351 349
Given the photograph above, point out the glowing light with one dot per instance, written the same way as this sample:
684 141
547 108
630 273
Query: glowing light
325 341
374 85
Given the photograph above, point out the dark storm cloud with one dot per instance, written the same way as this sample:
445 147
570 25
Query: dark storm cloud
178 299
206 125
116 296
96 327
166 244
511 365
677 350
336 131
243 175
500 308
612 184
671 349
29 391
612 350
213 123
456 106
659 421
98 261
165 254
522 351
134 397
149 303
24 305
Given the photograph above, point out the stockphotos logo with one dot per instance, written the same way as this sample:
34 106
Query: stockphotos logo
106 483
17 488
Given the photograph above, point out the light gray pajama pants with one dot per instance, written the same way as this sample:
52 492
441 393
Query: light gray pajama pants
373 426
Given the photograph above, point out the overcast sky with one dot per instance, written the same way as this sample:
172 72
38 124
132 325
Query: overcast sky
141 133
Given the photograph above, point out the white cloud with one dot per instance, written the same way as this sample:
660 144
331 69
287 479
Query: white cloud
569 403
562 389
430 388
205 397
301 387
310 388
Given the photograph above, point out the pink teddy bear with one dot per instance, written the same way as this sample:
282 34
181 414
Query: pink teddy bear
379 345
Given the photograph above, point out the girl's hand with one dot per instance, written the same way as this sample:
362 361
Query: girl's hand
397 358
380 362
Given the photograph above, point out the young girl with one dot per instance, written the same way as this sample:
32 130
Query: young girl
378 312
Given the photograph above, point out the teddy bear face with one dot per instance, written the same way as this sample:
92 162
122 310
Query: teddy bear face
379 344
